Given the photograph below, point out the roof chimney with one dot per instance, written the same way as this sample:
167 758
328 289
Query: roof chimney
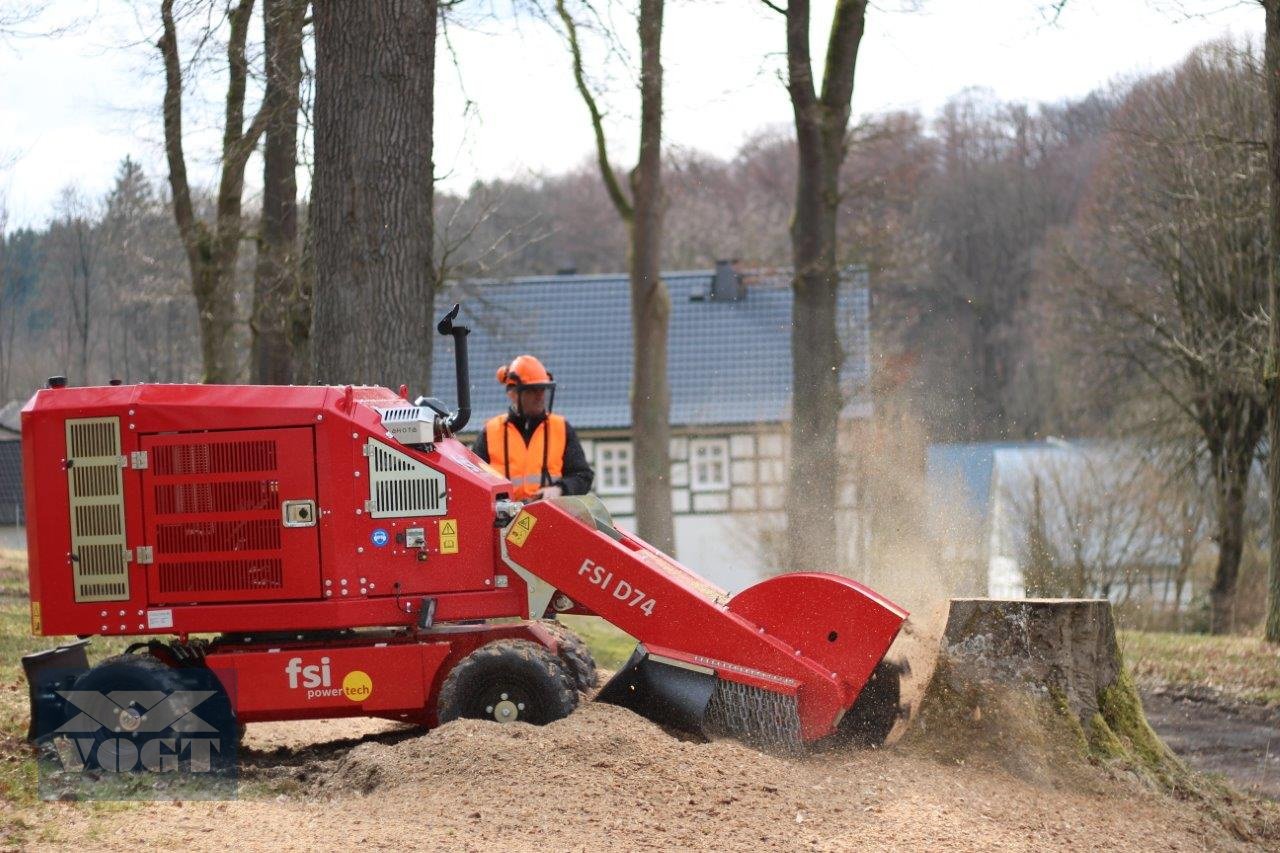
726 284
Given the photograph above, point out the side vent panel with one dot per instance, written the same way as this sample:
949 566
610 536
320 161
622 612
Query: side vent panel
400 486
100 568
213 514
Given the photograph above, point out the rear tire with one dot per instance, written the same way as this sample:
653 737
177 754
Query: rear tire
576 656
509 681
142 674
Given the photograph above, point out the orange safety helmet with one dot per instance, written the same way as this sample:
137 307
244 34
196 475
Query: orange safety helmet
526 373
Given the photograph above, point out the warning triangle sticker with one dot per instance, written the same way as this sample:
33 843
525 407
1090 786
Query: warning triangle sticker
524 522
448 528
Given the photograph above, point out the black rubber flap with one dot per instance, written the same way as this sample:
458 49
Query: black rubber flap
47 672
669 695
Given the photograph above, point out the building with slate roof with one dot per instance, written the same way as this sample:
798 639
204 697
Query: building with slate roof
729 368
980 496
12 517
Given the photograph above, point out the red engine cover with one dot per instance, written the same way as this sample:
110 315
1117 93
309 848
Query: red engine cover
165 509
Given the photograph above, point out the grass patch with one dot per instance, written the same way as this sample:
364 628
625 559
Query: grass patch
609 646
13 573
1244 669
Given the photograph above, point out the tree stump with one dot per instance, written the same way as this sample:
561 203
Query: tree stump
1038 687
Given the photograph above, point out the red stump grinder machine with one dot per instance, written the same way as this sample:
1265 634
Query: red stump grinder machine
350 557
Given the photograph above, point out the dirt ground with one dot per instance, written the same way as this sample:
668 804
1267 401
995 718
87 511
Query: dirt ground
1237 740
607 779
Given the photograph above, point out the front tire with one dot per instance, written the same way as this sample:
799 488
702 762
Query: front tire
509 681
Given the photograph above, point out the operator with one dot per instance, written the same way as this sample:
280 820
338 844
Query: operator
536 450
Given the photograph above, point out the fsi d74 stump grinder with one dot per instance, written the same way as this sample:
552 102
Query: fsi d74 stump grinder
353 558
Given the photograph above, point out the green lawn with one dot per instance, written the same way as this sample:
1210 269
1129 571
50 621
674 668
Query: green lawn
1244 669
608 645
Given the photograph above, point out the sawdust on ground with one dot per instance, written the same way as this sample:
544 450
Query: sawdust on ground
606 779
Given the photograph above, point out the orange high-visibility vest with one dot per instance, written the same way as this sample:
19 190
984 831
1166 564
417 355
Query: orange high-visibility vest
532 466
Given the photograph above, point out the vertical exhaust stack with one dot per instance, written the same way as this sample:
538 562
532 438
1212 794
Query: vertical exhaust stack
459 418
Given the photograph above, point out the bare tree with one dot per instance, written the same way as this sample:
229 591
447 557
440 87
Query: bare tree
275 283
372 219
1171 269
1088 518
213 249
821 122
1271 70
650 301
76 242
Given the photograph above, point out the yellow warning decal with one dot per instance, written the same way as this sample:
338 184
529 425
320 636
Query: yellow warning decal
522 528
448 536
35 617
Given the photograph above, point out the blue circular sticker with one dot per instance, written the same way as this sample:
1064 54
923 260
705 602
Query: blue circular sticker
378 537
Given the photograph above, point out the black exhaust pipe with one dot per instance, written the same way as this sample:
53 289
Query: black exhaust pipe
458 419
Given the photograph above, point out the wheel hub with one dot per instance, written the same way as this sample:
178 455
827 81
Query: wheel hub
505 710
130 719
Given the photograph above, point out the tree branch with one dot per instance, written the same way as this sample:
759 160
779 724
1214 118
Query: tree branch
168 44
849 22
612 185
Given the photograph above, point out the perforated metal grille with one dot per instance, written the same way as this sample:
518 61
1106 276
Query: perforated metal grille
400 486
100 570
211 536
755 716
221 458
93 437
241 496
203 576
98 520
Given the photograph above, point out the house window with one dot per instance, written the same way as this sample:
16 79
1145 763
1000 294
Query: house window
709 464
613 468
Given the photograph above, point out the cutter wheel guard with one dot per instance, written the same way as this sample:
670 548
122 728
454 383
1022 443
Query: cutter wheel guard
353 558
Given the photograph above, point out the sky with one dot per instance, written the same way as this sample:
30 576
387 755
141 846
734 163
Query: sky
75 104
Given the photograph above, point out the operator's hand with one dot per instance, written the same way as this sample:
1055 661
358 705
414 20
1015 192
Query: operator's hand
548 492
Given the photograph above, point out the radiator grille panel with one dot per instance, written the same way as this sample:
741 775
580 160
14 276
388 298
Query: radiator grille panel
100 570
214 513
220 458
223 575
239 496
211 536
400 486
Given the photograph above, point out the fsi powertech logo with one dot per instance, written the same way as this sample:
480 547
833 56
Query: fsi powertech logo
141 744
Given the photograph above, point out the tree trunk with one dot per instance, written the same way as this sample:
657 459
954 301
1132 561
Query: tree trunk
214 285
212 252
375 278
650 302
1040 689
276 278
1231 485
1271 62
816 356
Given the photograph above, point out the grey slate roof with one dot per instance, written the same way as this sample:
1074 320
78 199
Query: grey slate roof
728 362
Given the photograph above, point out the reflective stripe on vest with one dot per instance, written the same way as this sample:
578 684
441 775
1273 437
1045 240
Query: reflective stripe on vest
524 466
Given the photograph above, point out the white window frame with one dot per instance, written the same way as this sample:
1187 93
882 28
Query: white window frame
615 468
701 475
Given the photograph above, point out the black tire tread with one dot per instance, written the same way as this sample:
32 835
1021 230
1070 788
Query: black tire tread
576 654
532 661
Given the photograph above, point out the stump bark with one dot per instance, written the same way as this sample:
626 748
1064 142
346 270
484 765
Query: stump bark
1038 686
